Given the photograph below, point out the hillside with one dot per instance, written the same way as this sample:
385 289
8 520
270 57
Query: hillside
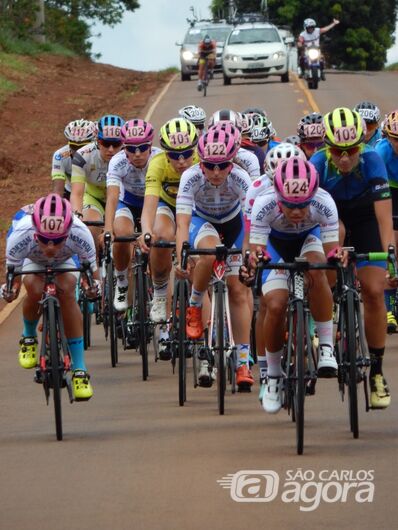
50 91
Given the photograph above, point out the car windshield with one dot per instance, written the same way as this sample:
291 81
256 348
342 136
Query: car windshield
253 35
195 35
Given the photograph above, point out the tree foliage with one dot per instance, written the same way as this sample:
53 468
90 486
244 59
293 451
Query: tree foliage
359 42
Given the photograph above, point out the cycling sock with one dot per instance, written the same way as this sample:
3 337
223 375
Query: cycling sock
389 295
122 277
76 348
274 368
196 299
262 364
376 359
243 354
29 328
325 332
160 288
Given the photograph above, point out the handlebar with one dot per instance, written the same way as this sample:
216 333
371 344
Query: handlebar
221 252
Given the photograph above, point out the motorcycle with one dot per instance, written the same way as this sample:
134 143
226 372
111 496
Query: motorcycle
313 70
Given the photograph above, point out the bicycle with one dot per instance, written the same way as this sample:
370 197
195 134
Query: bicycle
55 360
108 312
299 362
351 353
220 341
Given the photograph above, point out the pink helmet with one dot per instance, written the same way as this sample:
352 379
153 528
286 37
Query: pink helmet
230 129
52 216
296 181
217 146
136 132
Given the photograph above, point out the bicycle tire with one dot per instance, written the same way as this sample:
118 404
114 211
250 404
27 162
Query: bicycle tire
111 313
56 369
182 340
140 285
220 346
351 359
299 391
86 323
206 79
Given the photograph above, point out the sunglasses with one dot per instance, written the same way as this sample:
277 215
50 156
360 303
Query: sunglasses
176 155
220 166
110 143
55 241
134 148
293 205
349 151
313 145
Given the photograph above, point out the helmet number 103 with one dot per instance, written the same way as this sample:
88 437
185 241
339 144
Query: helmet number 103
345 134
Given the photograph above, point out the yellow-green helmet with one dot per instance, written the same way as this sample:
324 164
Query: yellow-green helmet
344 128
178 134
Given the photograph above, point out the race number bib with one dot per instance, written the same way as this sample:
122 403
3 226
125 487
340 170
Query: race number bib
111 132
295 188
135 132
52 224
212 149
313 129
179 139
345 134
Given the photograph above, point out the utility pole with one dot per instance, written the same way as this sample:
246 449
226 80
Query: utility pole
231 10
38 28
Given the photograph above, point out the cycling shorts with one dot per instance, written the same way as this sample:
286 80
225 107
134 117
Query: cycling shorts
133 213
394 198
92 203
166 209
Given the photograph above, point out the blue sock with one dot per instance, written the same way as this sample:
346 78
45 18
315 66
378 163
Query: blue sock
76 348
388 298
29 328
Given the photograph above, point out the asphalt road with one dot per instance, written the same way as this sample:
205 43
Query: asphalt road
131 458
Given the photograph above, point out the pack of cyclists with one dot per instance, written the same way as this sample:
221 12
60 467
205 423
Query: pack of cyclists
227 180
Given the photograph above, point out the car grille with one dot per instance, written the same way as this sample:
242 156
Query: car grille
256 58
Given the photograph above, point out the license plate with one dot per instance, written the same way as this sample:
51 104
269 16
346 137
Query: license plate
255 65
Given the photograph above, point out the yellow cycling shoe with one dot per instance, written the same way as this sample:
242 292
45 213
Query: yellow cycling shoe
82 389
28 353
391 323
379 392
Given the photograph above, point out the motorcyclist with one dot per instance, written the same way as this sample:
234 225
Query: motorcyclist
311 37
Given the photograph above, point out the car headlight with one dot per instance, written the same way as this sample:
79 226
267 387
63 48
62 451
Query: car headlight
231 57
187 55
313 54
278 55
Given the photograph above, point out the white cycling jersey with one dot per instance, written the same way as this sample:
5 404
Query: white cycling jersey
62 166
88 168
311 39
22 245
258 187
267 218
129 179
216 204
249 162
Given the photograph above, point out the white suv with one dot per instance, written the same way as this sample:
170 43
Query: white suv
255 50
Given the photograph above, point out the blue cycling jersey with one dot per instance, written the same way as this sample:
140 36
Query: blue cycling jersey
367 182
375 138
386 152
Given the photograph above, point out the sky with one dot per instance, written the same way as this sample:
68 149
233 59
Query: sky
145 40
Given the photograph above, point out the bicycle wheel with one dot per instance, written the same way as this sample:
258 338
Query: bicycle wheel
86 323
110 291
142 313
182 341
56 368
220 345
350 355
299 387
206 80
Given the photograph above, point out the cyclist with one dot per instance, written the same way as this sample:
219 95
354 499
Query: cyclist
293 139
195 115
248 122
311 132
178 138
210 202
207 50
356 177
387 148
78 133
371 115
311 37
125 183
293 218
51 235
89 169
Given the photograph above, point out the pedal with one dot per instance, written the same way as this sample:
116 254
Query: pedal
38 377
244 388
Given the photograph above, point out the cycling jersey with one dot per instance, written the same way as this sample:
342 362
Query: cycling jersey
62 166
364 185
267 219
88 168
257 188
390 159
249 162
213 203
22 246
256 149
311 39
129 179
375 138
206 50
162 179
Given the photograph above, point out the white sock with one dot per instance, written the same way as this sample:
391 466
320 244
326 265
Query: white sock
325 332
274 368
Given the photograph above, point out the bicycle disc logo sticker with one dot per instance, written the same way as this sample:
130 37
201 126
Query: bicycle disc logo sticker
306 488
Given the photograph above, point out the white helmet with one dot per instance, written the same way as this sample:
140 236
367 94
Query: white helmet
226 115
309 23
280 152
194 114
80 131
